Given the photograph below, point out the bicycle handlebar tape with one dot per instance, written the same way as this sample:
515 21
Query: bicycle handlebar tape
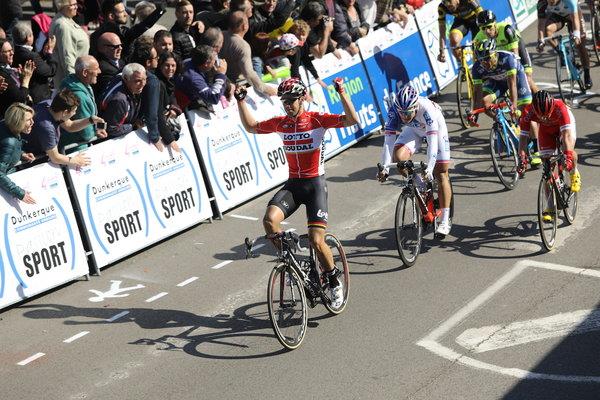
338 83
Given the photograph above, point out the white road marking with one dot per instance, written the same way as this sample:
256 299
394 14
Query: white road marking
222 264
116 317
243 217
30 359
156 297
430 341
115 291
495 337
190 280
75 337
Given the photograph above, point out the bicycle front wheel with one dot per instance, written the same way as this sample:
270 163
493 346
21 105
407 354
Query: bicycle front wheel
341 263
463 97
504 158
595 32
570 209
566 86
286 302
547 213
409 228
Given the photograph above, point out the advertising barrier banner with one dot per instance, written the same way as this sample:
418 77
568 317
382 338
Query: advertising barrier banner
395 56
525 12
41 247
132 195
240 165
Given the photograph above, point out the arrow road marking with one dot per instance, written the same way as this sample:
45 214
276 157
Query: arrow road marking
495 337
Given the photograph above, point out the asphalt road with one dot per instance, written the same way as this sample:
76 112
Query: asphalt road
484 314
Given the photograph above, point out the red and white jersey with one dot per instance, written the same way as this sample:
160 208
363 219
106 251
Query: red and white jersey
560 119
303 140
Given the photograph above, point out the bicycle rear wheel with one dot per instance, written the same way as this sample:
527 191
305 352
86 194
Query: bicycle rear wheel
463 99
341 263
504 157
547 213
409 228
595 31
286 302
566 86
570 211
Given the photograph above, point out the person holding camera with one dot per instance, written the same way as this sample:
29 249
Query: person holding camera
80 84
45 134
319 40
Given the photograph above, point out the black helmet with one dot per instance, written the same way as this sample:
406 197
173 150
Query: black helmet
485 49
542 103
485 17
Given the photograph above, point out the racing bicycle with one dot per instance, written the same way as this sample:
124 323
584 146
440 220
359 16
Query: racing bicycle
417 209
297 281
554 195
594 7
464 85
569 70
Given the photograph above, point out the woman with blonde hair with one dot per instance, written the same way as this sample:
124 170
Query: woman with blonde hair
18 120
71 40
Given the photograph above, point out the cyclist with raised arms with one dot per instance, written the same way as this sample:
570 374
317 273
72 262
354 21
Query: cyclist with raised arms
495 73
553 15
417 117
302 134
557 129
465 13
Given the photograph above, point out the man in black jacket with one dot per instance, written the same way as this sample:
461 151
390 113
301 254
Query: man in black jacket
185 31
11 12
120 103
40 86
115 18
110 50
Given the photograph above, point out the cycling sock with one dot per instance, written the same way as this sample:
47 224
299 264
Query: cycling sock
445 214
535 145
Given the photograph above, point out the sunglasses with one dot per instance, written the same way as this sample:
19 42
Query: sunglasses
486 27
407 113
114 46
289 100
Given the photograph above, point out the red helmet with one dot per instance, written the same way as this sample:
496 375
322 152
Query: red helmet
291 88
542 103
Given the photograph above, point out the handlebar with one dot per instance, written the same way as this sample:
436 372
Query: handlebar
494 106
291 237
408 164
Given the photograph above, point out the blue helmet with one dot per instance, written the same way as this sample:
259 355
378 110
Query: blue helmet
406 98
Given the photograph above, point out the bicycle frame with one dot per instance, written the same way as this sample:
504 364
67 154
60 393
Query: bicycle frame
466 51
566 48
553 168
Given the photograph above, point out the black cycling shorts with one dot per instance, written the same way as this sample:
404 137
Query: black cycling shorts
559 20
465 26
311 192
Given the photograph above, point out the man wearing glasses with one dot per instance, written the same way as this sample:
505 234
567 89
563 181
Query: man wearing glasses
465 13
495 73
110 50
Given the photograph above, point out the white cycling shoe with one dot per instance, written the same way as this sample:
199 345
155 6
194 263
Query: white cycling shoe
337 295
443 228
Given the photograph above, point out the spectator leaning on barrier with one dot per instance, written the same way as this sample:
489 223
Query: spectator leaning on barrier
110 51
185 31
71 40
236 51
16 80
349 25
318 41
80 83
163 41
17 121
45 134
120 102
40 86
392 11
154 109
202 82
169 67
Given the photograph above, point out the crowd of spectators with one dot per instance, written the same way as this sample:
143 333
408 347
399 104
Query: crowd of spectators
99 69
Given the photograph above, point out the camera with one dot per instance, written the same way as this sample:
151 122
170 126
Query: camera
100 125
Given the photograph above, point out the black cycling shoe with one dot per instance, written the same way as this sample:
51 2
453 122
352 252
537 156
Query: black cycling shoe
587 79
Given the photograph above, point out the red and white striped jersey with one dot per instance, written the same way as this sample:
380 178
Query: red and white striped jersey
303 140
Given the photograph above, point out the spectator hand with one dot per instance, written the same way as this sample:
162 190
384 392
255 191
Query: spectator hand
50 44
101 133
175 146
198 25
159 145
27 157
328 24
240 92
138 124
27 70
363 31
97 119
270 90
80 160
442 56
337 54
222 68
28 199
3 84
352 49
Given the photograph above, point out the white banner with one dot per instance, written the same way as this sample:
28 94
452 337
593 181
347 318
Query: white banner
427 18
240 165
41 247
132 195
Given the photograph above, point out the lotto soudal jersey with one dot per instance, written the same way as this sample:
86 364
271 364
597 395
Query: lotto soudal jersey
560 118
428 118
303 140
